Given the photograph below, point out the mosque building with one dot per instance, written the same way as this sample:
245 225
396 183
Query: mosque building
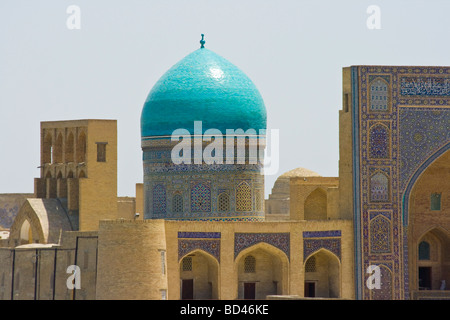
199 226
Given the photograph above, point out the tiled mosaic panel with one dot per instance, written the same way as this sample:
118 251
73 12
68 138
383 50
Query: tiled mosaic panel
243 197
422 132
425 86
201 196
379 187
322 234
159 199
380 235
210 246
379 145
379 95
181 179
246 240
194 234
312 245
177 203
418 118
224 202
385 290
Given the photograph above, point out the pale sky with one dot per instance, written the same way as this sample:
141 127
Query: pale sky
293 50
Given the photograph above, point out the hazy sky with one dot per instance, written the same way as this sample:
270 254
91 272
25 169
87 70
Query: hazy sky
294 52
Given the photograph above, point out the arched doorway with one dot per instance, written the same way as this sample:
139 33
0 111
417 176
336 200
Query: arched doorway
429 229
322 275
262 271
26 233
433 263
199 276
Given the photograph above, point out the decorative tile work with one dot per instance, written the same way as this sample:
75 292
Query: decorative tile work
187 234
379 187
224 202
243 197
246 240
315 244
159 199
379 142
322 234
201 196
178 179
425 86
379 93
418 118
177 203
422 131
385 291
186 246
380 235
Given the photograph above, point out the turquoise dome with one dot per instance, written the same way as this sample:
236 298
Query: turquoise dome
205 87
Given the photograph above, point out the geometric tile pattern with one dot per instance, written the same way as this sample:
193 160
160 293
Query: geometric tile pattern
201 196
243 197
190 234
380 235
196 187
378 95
379 141
159 199
379 187
246 240
311 245
386 160
211 246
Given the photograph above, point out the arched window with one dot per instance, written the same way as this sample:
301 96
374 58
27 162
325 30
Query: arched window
435 201
379 95
201 197
424 251
249 264
70 146
379 142
58 149
187 264
224 202
177 203
380 235
243 197
310 265
47 149
159 199
81 148
259 200
379 188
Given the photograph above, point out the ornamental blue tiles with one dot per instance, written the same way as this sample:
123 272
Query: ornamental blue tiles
246 240
393 143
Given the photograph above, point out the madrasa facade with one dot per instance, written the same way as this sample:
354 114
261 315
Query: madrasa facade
199 226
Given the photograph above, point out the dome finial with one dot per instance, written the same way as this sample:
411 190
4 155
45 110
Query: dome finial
202 42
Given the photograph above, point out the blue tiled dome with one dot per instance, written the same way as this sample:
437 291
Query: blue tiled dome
205 87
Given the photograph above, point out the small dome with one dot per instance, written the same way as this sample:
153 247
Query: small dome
281 187
205 87
300 172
